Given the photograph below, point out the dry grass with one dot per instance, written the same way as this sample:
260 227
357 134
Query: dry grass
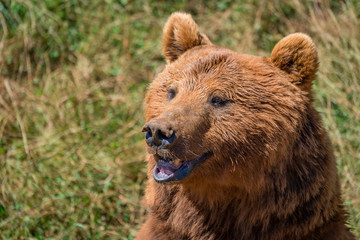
73 78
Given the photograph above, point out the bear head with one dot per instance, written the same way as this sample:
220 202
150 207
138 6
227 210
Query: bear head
214 115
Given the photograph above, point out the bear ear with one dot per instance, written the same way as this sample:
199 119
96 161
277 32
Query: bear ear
181 34
296 55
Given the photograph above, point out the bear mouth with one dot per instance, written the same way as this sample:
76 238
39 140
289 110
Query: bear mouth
167 171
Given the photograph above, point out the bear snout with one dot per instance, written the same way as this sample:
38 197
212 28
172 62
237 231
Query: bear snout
159 134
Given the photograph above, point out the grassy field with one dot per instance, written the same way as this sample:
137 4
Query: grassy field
73 78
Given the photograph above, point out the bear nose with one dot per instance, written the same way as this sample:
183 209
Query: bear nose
159 134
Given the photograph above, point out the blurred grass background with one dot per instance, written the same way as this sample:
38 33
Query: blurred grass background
73 78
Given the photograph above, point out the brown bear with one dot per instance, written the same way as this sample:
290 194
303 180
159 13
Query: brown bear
235 148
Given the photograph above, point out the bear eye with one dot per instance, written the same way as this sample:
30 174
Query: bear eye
218 101
171 93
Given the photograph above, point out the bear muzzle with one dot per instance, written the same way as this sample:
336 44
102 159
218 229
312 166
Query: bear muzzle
159 134
168 147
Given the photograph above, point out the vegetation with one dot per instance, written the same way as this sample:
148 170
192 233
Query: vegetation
73 78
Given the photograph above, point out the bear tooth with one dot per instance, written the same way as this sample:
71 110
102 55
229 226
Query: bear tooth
177 162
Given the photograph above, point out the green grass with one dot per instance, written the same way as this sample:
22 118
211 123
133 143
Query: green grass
73 78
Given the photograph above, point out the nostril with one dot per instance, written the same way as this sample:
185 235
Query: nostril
148 134
161 135
165 138
157 135
171 138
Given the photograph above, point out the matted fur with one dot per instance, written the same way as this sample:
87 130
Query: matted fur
272 174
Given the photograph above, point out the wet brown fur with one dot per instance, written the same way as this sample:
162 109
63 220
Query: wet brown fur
272 174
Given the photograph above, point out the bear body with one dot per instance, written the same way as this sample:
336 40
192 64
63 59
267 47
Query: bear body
235 148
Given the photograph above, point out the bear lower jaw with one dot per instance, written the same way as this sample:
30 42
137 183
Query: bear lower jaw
166 172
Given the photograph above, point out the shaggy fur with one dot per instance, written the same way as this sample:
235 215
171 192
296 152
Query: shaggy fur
272 172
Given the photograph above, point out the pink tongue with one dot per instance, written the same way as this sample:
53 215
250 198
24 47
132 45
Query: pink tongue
166 171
